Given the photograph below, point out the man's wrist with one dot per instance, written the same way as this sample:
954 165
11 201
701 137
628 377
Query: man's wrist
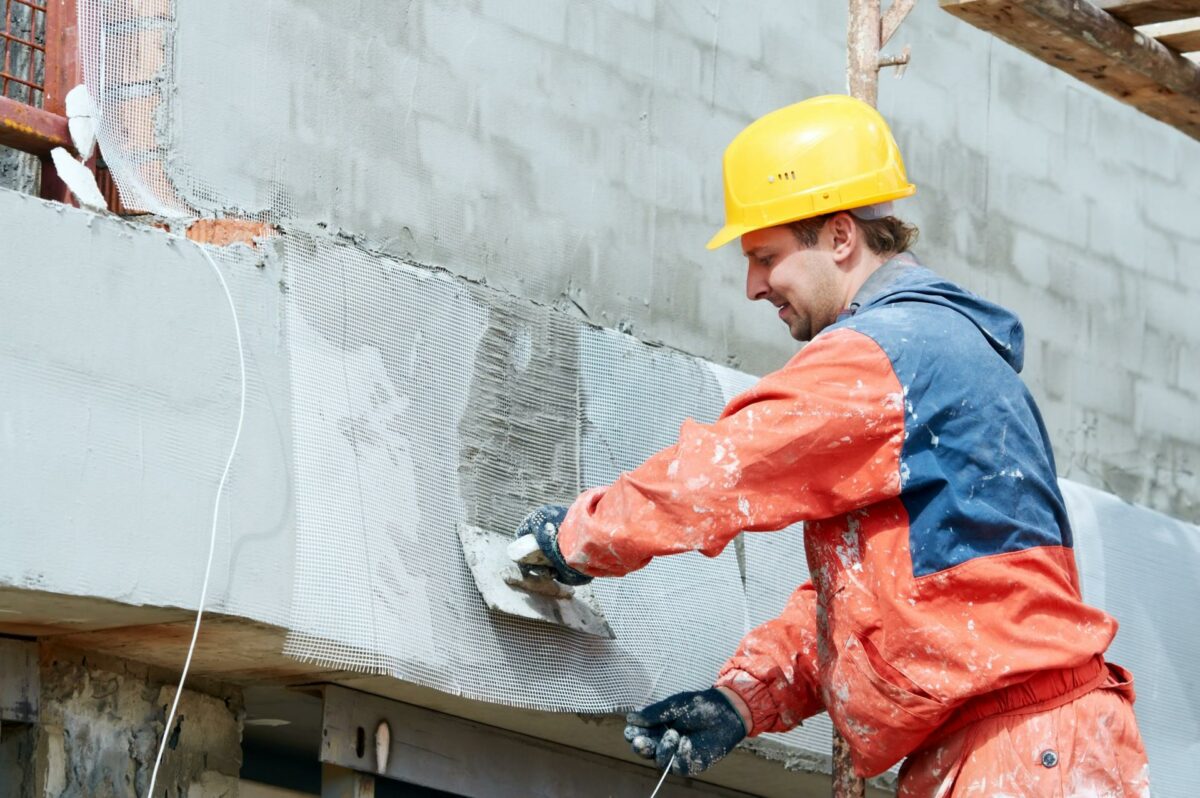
739 705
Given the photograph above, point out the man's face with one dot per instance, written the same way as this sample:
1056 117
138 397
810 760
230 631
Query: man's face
804 283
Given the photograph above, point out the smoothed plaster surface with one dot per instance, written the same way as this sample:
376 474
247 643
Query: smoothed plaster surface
118 409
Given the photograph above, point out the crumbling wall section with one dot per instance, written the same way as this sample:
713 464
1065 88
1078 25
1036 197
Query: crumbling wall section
100 725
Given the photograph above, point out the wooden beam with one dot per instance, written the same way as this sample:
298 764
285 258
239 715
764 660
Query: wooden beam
1146 12
897 11
863 39
1085 41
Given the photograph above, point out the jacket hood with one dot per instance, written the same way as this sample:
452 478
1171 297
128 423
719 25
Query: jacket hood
903 279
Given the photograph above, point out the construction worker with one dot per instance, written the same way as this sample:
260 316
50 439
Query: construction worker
943 620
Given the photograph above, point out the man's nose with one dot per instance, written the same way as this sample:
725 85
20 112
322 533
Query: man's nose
756 283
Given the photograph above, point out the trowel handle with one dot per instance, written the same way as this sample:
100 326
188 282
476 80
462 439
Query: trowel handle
525 551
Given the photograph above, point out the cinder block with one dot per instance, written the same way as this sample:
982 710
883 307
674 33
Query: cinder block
1031 257
678 65
456 157
1017 145
1187 377
645 9
581 27
1037 204
696 21
1042 111
547 21
1172 311
1166 411
1174 209
437 92
625 42
1085 381
1111 234
479 50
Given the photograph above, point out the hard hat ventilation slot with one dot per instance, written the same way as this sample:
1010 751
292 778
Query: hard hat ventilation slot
784 176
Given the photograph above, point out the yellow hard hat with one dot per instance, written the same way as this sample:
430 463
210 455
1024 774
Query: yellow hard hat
825 154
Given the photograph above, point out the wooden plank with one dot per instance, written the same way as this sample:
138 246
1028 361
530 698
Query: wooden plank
1147 12
442 752
1182 35
1086 42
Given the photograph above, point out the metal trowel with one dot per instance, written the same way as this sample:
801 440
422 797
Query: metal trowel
514 577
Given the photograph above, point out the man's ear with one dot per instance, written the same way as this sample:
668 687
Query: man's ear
844 236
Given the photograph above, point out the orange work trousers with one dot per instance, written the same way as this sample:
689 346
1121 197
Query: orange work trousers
1089 746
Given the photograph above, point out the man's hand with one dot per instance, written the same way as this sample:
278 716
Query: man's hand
697 728
543 524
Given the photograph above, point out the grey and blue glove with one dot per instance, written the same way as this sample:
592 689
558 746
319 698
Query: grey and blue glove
697 728
543 524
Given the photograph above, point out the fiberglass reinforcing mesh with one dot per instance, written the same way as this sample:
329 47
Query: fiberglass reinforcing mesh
420 401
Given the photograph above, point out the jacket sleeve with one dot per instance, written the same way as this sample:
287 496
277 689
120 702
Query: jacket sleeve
818 438
775 667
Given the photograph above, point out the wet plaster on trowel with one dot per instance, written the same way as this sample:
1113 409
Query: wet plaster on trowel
101 722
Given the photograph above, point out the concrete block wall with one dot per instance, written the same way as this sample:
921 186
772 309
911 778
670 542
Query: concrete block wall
569 153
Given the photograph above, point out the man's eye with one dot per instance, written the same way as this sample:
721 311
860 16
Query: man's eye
766 261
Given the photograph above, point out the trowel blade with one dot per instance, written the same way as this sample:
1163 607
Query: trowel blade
501 582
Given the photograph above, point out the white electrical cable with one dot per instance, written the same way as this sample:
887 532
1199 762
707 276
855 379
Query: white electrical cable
663 777
212 543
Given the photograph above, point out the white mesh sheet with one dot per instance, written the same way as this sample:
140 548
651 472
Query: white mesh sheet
126 51
1141 566
419 401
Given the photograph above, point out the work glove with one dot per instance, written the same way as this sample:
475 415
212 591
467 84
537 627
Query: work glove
697 728
543 524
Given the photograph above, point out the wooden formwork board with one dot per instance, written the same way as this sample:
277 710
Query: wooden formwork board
1097 46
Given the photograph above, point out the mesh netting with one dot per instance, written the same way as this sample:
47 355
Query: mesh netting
420 401
126 51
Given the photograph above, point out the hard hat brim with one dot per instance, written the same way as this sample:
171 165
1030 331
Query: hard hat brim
725 235
732 231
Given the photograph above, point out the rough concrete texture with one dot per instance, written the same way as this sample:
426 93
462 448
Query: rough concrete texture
519 426
572 155
18 748
101 723
118 410
19 171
